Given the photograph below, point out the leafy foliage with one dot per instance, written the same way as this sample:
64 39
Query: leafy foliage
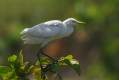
71 62
20 70
4 70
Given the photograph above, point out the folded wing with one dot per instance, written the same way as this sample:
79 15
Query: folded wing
43 30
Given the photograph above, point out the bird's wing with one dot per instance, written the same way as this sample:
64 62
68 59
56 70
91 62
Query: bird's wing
44 30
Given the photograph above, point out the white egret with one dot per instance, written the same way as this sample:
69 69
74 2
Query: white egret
48 31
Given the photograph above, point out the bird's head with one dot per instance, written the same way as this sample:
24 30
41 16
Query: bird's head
72 21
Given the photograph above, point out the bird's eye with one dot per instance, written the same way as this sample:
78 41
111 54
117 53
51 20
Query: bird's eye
73 21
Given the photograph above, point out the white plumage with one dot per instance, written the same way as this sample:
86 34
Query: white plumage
48 31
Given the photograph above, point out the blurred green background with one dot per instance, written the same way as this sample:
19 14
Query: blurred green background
95 44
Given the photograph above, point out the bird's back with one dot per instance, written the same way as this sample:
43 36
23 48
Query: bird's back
54 23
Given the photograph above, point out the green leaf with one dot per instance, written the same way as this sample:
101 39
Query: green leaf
74 64
13 60
9 76
68 60
33 69
37 75
24 66
44 61
68 57
55 67
37 62
21 58
4 70
2 75
63 59
15 64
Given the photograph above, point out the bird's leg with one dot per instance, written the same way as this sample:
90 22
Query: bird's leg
53 60
59 76
41 51
47 55
42 69
38 55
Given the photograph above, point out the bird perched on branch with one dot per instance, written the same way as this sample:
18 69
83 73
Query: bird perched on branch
48 31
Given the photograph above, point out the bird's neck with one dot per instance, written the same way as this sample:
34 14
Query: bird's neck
68 29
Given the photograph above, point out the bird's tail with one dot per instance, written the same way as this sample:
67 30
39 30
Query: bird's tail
25 37
24 31
29 39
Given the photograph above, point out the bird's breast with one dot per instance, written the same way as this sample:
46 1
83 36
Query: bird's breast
66 32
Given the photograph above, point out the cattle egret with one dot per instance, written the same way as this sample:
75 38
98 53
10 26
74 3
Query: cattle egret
48 31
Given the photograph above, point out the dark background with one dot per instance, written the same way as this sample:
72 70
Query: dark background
95 44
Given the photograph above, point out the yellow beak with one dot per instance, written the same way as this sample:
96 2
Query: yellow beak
79 22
